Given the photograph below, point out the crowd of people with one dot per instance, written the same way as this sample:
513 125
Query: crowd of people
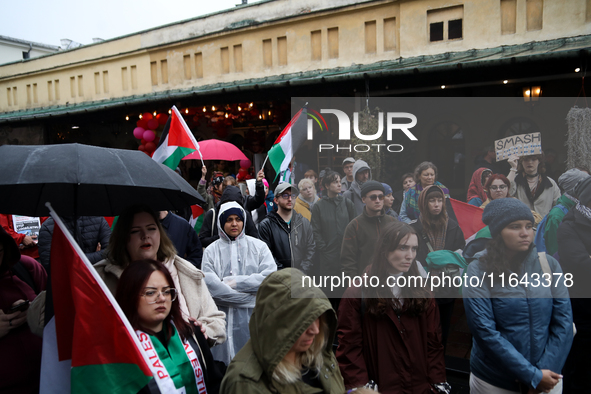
235 292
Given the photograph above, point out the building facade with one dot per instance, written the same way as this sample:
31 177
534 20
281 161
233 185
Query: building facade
277 49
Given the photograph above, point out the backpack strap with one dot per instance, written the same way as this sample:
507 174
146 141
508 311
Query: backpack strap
427 241
23 274
544 263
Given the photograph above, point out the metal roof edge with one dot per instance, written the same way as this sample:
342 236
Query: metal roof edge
472 58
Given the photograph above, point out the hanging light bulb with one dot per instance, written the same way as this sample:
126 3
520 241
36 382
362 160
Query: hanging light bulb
204 109
239 108
127 118
187 110
141 116
251 104
213 108
505 82
169 111
269 113
154 113
260 116
226 116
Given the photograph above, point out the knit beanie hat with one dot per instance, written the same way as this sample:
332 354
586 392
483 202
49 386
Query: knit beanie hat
499 213
583 191
370 186
569 180
387 188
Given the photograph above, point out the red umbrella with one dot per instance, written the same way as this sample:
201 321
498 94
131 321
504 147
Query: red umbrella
217 150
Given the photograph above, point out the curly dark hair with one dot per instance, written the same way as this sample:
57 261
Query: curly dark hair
379 299
495 260
329 177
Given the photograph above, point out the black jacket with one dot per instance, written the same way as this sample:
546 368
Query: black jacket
184 237
291 246
454 239
574 248
91 231
330 217
231 193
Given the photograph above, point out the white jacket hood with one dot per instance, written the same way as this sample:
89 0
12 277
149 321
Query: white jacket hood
226 206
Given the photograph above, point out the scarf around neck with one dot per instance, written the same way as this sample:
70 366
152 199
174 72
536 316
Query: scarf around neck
172 372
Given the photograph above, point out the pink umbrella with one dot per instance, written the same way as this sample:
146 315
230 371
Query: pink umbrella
217 150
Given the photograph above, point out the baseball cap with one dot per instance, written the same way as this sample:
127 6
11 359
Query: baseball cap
283 186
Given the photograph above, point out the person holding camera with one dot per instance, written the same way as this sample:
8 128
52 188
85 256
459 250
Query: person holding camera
21 279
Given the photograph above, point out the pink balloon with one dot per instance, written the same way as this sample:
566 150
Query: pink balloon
149 135
152 124
138 133
245 163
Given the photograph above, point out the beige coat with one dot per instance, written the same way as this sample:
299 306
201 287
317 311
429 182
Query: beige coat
199 301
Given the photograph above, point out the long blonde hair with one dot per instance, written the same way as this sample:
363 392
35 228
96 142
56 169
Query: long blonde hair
288 373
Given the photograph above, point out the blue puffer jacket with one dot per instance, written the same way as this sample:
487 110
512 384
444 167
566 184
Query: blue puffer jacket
517 331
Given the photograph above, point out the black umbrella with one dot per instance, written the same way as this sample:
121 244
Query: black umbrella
83 180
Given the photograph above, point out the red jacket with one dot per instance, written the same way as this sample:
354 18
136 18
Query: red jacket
20 365
402 354
6 223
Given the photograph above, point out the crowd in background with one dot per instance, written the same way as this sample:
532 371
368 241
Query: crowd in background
228 291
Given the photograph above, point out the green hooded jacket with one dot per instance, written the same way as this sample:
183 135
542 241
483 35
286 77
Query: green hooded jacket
276 324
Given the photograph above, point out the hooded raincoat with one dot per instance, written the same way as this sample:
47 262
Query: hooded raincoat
354 192
278 321
246 261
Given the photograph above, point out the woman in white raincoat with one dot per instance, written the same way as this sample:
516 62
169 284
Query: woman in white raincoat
235 266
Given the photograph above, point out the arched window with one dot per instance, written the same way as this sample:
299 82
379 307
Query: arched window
447 150
516 126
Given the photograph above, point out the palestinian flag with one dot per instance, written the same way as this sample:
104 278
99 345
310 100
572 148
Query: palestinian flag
288 142
469 217
176 142
88 345
196 220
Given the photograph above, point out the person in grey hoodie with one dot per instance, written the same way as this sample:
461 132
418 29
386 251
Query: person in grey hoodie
361 174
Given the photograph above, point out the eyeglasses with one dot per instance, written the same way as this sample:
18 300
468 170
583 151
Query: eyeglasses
374 197
495 188
286 196
152 296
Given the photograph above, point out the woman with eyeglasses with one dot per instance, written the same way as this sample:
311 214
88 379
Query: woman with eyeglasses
497 186
138 235
437 231
425 175
147 296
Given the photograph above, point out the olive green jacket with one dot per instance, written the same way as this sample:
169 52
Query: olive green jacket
276 324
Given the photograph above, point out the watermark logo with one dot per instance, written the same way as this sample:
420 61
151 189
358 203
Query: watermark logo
392 120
